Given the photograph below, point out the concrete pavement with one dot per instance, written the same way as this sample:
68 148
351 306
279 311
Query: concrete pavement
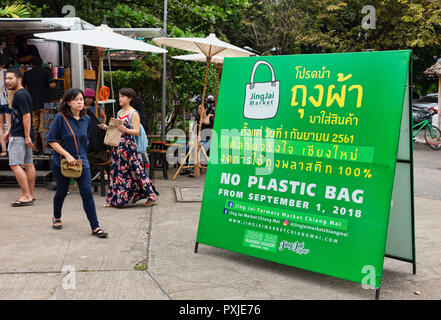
149 253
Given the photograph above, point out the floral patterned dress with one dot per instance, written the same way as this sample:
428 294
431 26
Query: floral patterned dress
128 182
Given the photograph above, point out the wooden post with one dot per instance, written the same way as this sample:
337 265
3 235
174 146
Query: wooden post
101 52
197 168
219 71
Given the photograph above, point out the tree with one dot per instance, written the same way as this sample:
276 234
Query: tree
125 16
423 26
268 24
324 26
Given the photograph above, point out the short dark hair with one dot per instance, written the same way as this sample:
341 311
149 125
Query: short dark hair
36 61
19 40
16 72
128 92
68 96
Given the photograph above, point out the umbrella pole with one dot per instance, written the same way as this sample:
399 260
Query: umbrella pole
111 82
102 53
198 166
219 71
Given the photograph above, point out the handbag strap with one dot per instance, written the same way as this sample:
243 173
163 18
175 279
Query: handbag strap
140 124
76 145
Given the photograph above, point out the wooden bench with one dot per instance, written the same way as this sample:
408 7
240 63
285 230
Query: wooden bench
7 177
103 166
158 153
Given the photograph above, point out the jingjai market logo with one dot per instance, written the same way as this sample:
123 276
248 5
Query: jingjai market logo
261 98
297 247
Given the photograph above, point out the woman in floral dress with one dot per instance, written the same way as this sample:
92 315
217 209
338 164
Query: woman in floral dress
128 181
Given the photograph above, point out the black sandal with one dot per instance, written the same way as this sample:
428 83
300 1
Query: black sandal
55 221
99 233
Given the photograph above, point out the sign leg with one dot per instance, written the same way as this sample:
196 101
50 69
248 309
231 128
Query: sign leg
377 294
196 247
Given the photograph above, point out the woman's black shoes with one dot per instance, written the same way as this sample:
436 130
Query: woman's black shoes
99 233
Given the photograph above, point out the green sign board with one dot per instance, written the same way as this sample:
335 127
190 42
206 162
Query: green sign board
303 158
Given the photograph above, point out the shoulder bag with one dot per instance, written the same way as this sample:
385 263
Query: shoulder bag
141 140
67 170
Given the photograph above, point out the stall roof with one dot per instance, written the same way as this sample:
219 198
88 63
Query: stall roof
147 33
21 25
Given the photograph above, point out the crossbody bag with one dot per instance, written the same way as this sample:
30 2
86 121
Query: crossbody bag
67 170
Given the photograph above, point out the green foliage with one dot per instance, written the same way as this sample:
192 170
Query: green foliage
19 9
186 79
269 24
199 16
14 11
125 16
423 20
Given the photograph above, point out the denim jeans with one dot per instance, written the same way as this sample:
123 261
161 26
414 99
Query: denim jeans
85 185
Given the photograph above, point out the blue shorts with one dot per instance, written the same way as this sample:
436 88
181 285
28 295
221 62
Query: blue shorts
4 108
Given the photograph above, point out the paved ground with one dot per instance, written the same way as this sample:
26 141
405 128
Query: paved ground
149 254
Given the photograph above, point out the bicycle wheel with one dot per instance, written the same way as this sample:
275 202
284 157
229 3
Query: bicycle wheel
433 139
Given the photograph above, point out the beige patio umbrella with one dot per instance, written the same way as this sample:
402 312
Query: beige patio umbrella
435 70
102 38
200 58
210 46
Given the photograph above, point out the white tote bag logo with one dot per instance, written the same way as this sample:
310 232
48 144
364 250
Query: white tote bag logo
261 98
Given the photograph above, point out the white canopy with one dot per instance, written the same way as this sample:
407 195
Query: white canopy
102 37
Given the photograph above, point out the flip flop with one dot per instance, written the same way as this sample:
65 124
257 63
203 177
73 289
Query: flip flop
56 224
151 203
19 203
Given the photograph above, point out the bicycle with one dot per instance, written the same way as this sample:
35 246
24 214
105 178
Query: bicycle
432 134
